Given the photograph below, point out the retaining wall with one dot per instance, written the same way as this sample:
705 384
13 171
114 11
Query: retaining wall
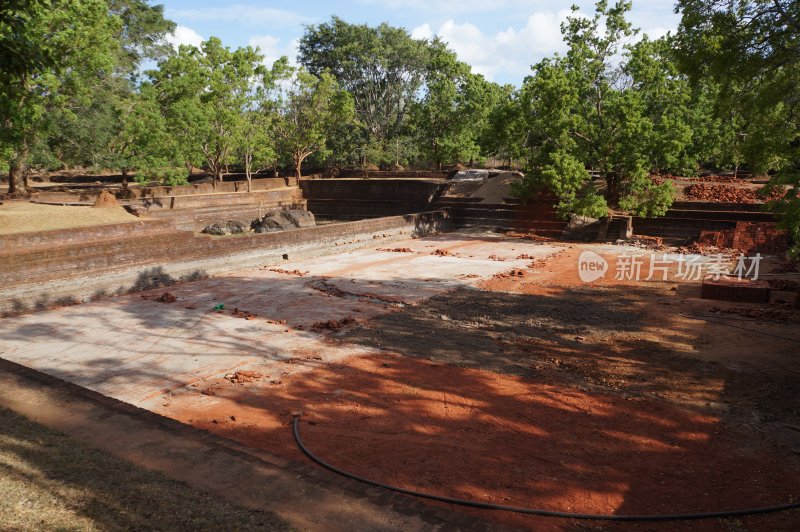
348 199
62 269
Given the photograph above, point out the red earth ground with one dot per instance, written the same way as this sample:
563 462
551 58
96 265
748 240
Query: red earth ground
537 391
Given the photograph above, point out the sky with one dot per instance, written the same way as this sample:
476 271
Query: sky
501 39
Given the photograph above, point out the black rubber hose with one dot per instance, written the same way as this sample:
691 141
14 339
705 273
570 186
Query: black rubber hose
537 511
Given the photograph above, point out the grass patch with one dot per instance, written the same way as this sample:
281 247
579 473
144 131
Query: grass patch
51 482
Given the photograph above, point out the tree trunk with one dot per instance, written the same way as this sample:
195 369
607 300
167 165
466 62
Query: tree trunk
612 182
19 169
298 163
248 163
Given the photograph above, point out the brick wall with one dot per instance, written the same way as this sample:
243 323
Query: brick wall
749 237
113 260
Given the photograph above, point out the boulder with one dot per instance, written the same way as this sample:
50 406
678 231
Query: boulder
582 228
283 220
235 227
216 230
300 218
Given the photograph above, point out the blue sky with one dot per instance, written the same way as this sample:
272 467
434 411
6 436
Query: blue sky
499 38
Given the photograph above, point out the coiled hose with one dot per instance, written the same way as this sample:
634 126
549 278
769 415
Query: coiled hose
537 511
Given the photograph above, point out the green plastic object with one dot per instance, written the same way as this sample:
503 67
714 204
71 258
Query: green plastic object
219 307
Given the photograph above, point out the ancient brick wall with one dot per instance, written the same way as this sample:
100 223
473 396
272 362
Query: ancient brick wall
749 237
83 264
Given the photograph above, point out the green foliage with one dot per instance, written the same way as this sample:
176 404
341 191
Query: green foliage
205 93
583 110
749 49
62 49
69 106
382 67
505 134
309 108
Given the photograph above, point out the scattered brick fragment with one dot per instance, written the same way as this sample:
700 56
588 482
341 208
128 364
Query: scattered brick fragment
243 314
441 253
333 325
510 274
243 376
298 273
167 297
396 250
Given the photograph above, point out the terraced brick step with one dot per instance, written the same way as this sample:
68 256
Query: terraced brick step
32 240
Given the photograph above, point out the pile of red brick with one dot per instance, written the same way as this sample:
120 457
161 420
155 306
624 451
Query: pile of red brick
720 193
759 237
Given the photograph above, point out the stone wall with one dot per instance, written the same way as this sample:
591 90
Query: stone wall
351 199
66 267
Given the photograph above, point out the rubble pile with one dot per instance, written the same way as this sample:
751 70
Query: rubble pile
243 376
333 325
396 250
720 193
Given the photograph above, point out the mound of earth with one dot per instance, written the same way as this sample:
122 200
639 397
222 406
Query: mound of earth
106 200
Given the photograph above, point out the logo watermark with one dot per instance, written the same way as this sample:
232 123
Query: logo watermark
591 266
665 267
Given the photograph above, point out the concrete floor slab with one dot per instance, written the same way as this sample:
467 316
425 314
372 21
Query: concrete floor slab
135 348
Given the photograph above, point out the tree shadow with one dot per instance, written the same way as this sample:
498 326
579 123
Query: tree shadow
59 483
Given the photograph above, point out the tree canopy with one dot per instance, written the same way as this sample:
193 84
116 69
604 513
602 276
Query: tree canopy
595 125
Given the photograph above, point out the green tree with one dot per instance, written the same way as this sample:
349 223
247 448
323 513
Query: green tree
587 112
749 48
205 93
505 133
382 67
309 108
452 112
63 47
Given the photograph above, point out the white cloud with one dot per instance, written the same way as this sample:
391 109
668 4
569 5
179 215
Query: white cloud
243 14
507 54
184 35
272 50
422 32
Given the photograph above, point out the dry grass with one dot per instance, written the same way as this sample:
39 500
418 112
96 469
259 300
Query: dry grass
49 482
24 217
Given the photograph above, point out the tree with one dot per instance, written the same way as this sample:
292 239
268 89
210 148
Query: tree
257 145
309 108
63 46
450 117
383 68
586 111
205 93
505 135
749 49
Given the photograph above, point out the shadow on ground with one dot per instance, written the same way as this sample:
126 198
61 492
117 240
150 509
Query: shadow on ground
48 481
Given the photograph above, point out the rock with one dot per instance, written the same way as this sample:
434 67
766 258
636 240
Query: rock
283 220
167 297
235 227
215 229
397 168
581 228
301 218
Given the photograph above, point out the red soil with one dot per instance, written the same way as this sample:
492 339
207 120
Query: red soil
502 439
